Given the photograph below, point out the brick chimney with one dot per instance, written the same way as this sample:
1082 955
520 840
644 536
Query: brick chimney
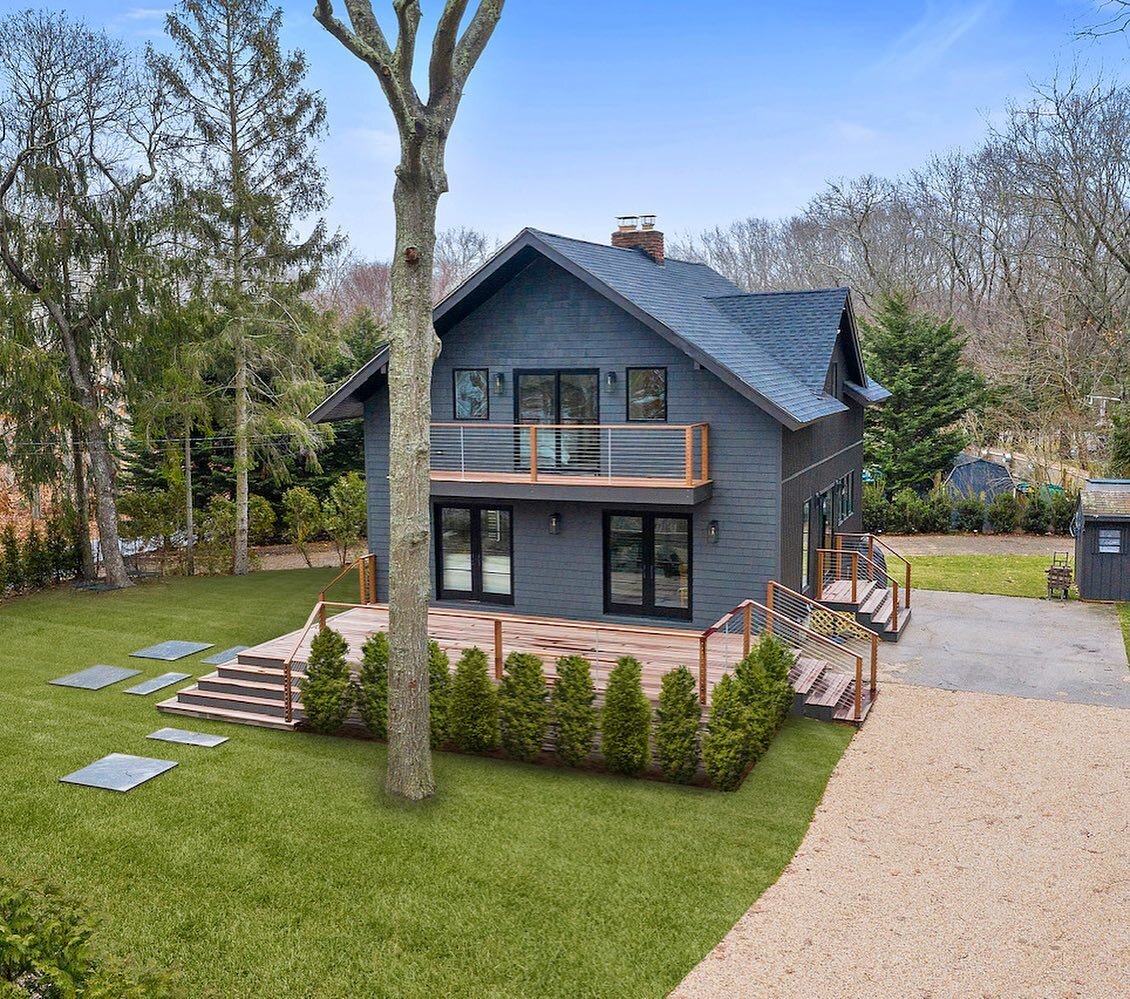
638 232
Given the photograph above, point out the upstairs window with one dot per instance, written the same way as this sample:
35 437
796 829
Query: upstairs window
1110 541
472 400
835 386
647 394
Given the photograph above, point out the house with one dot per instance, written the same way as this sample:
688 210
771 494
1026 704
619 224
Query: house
619 435
630 456
1102 540
973 475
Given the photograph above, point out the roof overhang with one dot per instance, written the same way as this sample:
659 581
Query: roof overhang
870 394
348 401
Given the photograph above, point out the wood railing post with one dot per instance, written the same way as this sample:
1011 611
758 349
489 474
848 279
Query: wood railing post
497 649
747 625
908 585
874 664
688 436
855 577
322 610
373 578
362 582
819 575
702 669
705 451
870 547
533 453
895 607
858 688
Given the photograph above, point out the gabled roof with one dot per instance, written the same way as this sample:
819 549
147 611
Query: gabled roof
348 401
1106 498
774 348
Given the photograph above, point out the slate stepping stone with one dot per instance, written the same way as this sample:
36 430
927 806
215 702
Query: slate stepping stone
226 656
119 772
157 683
170 651
95 678
186 738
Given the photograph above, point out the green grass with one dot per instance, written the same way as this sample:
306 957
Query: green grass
1009 575
273 866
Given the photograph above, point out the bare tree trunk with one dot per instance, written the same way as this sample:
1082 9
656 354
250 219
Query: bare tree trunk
412 353
241 561
189 525
82 505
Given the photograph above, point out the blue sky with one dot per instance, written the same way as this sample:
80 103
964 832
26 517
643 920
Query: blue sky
581 110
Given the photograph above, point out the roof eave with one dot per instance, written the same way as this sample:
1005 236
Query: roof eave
346 402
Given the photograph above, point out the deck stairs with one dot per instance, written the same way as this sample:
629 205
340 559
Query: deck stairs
823 692
864 577
247 690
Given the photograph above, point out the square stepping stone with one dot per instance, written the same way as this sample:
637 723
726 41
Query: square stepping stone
226 656
187 738
170 651
119 772
157 683
95 678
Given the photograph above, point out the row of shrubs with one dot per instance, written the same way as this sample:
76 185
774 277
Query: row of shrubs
940 512
37 560
469 712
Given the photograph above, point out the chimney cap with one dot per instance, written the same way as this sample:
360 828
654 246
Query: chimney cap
647 221
627 223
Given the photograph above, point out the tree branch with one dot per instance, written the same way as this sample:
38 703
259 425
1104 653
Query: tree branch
443 50
407 21
473 42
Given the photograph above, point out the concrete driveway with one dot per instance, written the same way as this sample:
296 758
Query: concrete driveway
1049 649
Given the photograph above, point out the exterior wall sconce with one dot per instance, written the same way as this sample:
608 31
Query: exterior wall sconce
712 532
555 523
499 382
610 380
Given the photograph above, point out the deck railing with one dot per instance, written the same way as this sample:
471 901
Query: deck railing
847 565
873 543
650 454
366 567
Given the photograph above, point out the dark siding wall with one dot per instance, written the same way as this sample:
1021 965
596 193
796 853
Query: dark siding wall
1102 576
812 459
376 480
545 318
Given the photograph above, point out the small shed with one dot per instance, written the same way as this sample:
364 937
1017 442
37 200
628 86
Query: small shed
973 475
1102 540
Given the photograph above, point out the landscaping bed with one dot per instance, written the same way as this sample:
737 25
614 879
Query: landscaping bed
274 866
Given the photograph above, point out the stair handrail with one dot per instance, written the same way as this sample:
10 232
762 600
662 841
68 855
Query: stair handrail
317 614
850 623
366 566
745 608
873 540
856 559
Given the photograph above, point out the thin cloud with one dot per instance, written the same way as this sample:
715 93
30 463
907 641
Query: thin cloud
926 43
145 14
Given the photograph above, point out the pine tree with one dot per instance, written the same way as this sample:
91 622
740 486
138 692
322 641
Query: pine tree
254 179
474 704
439 694
914 435
37 562
725 746
327 694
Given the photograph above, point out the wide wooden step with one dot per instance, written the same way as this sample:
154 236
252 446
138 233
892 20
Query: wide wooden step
828 690
237 702
174 706
845 709
240 687
806 673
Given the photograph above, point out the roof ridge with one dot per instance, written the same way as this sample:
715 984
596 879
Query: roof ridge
783 291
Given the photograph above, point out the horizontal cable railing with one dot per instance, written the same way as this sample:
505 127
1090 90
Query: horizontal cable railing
670 453
857 570
875 547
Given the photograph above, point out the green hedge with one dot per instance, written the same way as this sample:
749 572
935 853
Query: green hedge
327 693
625 735
372 686
522 706
474 704
574 717
676 734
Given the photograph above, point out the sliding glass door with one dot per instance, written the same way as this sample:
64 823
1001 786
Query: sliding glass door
563 399
647 564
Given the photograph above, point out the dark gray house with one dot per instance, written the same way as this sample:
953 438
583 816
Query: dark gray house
623 436
1102 540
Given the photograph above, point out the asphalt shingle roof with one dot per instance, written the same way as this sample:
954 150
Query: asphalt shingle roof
1106 498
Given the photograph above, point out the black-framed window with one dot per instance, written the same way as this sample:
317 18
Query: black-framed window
474 552
471 389
1110 541
648 564
835 386
647 394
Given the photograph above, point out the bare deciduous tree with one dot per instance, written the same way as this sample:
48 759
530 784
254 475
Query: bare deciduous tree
421 179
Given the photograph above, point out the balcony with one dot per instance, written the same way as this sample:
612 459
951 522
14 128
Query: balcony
635 462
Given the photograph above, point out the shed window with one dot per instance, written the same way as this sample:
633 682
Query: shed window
1110 541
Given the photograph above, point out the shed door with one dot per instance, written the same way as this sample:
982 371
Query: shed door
1109 555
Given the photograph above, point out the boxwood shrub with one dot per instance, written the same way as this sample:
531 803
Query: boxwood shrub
473 716
574 717
625 729
522 708
327 694
676 735
372 692
439 694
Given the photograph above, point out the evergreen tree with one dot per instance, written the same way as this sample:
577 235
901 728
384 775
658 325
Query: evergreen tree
574 717
725 746
439 694
327 694
914 435
676 735
37 560
474 704
523 712
625 728
253 181
372 687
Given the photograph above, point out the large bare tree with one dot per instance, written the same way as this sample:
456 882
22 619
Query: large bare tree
421 179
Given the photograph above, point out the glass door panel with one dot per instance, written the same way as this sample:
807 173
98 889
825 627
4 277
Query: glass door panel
559 397
626 561
672 563
536 402
456 547
494 532
579 450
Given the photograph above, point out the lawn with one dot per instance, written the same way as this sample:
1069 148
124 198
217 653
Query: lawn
273 866
1009 575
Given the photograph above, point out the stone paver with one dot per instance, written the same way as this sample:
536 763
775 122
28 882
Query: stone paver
967 845
1058 650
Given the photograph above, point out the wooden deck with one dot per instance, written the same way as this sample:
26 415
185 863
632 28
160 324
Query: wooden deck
657 649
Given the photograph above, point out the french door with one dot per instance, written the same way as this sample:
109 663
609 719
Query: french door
474 553
564 398
647 564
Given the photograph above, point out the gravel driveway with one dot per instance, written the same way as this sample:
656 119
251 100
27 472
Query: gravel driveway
967 845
